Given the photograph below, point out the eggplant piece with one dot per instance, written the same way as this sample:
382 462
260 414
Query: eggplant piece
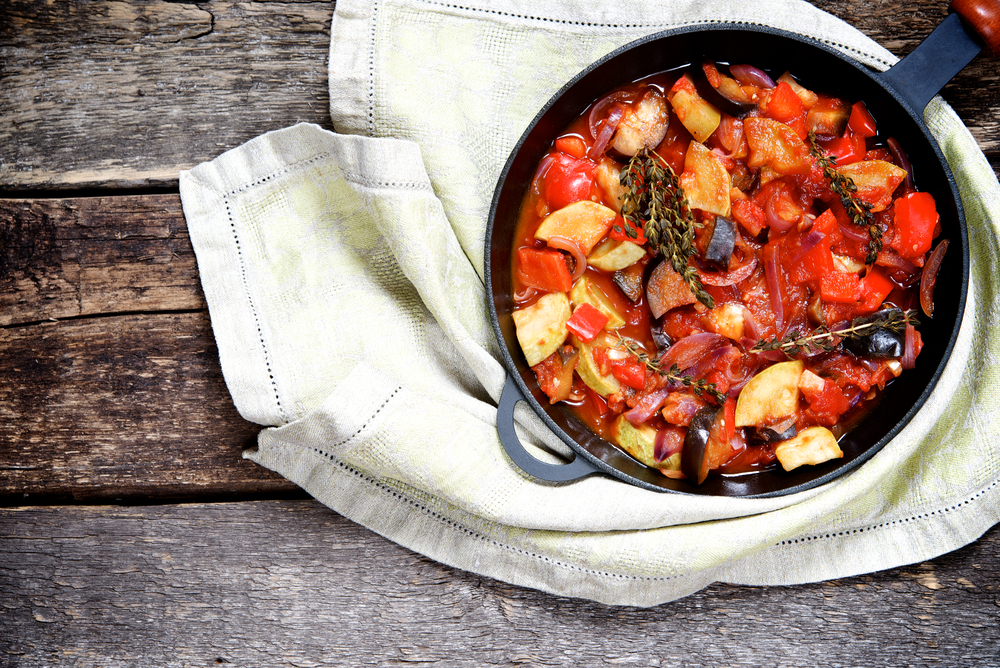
695 455
828 117
644 125
815 311
660 338
765 435
629 280
879 343
712 95
667 290
720 248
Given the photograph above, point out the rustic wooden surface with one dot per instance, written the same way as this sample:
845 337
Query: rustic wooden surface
131 531
192 585
80 414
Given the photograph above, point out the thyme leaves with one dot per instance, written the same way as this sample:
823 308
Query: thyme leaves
824 339
699 386
859 210
654 202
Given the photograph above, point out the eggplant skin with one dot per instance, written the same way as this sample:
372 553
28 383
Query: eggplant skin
694 456
719 252
880 343
765 435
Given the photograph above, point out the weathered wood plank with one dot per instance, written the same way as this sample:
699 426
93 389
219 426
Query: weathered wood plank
111 386
292 583
127 92
121 407
62 258
118 93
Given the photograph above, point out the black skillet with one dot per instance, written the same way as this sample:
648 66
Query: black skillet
896 98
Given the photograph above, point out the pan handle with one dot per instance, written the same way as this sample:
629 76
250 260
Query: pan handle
984 17
575 470
958 39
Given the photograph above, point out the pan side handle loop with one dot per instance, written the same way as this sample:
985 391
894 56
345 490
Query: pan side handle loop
923 73
575 470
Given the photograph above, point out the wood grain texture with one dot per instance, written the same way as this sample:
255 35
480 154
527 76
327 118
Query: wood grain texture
115 93
69 258
202 584
127 92
121 407
111 386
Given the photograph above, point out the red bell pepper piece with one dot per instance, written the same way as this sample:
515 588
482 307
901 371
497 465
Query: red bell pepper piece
875 287
750 215
543 269
915 217
784 104
847 149
826 222
629 371
814 264
619 231
568 180
840 287
729 415
861 121
586 322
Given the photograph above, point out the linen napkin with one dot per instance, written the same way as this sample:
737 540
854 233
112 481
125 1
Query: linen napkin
343 273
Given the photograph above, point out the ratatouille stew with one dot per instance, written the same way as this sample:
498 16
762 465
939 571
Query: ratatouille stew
720 272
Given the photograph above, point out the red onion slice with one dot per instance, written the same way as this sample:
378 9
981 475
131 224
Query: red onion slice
928 277
774 287
597 111
525 294
729 355
807 243
667 443
774 221
543 167
647 406
606 132
748 74
910 342
573 248
690 349
899 155
730 278
854 232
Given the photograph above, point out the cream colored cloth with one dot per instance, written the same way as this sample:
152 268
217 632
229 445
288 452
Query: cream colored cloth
343 274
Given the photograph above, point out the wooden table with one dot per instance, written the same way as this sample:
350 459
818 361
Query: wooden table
131 531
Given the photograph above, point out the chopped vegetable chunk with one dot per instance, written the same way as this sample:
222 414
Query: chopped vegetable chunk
584 222
541 328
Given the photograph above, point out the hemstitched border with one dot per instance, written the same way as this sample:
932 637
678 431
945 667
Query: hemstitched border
884 525
227 198
374 482
585 24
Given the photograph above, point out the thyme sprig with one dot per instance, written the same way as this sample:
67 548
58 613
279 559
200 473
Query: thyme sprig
700 386
859 210
654 202
824 339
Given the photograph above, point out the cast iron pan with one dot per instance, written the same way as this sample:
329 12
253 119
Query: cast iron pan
896 99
